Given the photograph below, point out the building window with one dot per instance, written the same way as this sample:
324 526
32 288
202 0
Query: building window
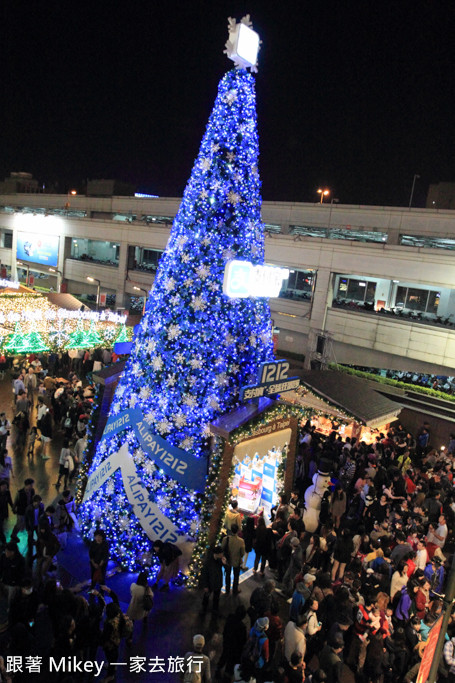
416 299
96 251
427 242
354 289
144 259
299 286
339 233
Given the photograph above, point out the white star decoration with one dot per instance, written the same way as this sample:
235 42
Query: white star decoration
233 198
203 272
157 362
179 420
186 443
198 303
190 400
173 331
231 97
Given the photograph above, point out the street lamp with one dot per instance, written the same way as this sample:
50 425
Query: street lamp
59 277
323 193
24 265
416 175
98 285
139 289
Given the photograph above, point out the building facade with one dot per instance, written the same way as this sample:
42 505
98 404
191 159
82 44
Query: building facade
372 286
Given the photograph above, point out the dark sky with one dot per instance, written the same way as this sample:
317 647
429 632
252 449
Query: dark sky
356 96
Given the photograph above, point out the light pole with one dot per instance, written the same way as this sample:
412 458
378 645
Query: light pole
416 175
98 285
323 193
139 289
59 277
24 265
332 202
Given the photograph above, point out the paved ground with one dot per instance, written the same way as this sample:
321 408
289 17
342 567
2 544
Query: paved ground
175 617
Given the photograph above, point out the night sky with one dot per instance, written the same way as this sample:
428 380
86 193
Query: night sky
354 96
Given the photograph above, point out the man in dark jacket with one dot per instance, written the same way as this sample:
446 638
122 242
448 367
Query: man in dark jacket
24 498
212 577
32 514
24 605
5 501
330 660
234 639
262 601
12 566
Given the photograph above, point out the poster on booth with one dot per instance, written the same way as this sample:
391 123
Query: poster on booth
256 463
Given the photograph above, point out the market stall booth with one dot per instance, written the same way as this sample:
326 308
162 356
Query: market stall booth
258 444
345 404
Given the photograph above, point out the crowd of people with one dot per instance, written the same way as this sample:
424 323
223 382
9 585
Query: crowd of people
38 617
362 591
365 588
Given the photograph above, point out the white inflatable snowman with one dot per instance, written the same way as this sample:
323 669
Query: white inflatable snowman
313 497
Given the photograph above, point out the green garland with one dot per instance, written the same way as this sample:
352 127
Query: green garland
210 494
393 382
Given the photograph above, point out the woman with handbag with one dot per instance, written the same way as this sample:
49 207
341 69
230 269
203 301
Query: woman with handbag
141 601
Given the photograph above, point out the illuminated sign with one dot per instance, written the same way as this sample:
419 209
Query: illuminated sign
9 283
38 248
61 314
242 279
272 380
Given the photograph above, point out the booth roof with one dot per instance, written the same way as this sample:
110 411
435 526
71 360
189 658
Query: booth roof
352 394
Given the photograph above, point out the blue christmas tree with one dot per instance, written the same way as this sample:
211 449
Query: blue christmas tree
194 348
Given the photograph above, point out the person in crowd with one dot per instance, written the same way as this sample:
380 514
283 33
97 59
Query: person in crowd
212 577
23 499
232 516
195 661
66 464
233 549
99 558
168 555
234 639
12 567
5 504
141 601
262 544
33 513
294 637
6 466
5 428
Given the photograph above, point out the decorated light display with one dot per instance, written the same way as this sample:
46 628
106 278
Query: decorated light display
16 341
36 315
193 350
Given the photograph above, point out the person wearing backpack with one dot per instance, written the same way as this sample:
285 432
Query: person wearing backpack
197 665
141 601
256 651
234 550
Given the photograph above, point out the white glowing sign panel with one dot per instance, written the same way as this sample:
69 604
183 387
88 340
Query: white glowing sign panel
242 280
